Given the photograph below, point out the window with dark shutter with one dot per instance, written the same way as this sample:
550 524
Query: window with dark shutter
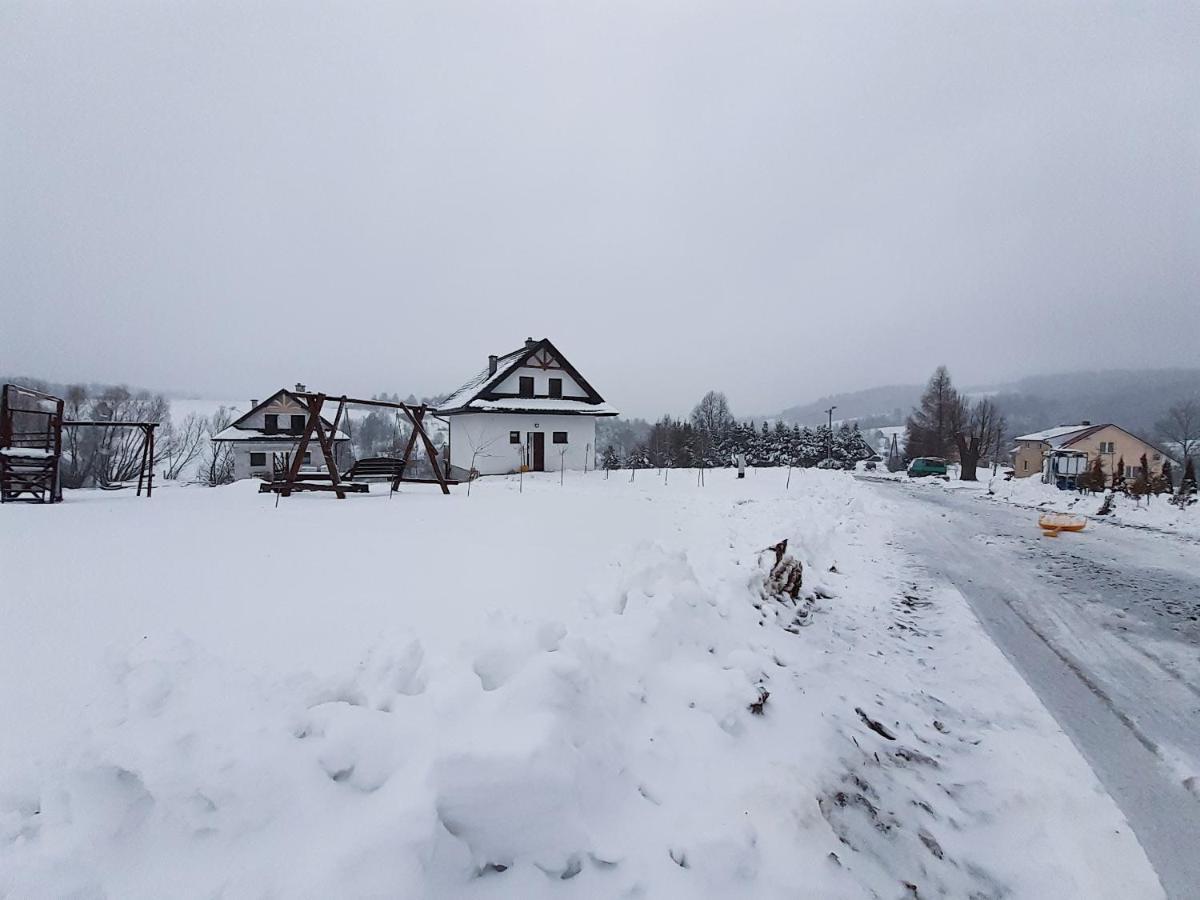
270 423
298 424
526 385
514 437
556 387
560 437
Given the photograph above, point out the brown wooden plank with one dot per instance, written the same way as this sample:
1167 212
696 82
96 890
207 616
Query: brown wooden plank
314 402
330 465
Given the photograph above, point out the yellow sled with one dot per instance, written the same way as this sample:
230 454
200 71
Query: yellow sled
1054 524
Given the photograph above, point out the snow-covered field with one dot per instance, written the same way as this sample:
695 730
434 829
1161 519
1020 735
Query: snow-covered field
519 694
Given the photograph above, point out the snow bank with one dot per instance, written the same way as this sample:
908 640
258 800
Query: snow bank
536 694
1154 514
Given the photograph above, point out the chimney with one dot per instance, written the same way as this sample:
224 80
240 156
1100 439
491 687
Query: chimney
300 388
492 362
529 342
1085 422
253 403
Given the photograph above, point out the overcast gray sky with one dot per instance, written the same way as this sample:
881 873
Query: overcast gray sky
781 200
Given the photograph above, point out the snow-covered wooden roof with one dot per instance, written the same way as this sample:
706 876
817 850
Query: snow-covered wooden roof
1063 434
484 392
245 427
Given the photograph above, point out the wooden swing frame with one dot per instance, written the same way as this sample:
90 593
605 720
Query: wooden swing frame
314 429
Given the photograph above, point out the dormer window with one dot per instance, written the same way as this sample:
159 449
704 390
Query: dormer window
271 423
526 385
555 387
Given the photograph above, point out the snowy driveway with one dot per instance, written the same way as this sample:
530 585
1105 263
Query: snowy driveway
1105 627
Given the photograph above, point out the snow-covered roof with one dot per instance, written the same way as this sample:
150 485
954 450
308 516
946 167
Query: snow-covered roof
479 393
1056 437
464 394
564 405
233 433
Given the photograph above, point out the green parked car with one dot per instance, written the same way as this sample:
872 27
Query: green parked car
927 465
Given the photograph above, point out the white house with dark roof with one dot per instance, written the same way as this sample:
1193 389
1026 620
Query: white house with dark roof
529 408
272 428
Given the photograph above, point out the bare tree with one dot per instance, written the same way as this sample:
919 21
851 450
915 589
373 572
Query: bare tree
1181 428
711 416
977 428
216 463
106 455
180 445
478 447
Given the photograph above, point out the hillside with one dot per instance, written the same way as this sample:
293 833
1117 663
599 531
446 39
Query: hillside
891 401
1133 398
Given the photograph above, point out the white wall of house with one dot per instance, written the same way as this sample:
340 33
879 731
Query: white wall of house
490 433
244 452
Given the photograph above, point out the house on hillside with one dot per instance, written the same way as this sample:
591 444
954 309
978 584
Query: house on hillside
266 436
1059 454
529 408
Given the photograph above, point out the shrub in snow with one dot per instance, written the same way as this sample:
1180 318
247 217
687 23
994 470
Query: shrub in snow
1187 487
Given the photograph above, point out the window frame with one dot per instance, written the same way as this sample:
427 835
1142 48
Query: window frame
293 426
514 437
258 465
525 385
271 423
557 434
556 388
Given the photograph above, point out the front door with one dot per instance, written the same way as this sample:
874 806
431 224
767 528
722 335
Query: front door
537 443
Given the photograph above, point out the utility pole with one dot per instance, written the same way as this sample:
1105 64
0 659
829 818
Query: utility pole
829 441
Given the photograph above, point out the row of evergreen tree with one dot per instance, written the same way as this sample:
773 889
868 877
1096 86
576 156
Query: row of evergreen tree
713 438
1143 483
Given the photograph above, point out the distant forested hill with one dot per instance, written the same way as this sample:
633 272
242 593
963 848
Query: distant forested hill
893 402
1132 398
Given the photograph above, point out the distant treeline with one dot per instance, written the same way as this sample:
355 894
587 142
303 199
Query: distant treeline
712 437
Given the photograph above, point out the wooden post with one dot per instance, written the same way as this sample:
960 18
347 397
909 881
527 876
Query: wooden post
337 420
150 466
326 444
408 449
429 448
314 416
142 468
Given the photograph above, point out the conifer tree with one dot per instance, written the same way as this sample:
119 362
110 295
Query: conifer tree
1093 479
1188 488
930 427
1118 475
1168 477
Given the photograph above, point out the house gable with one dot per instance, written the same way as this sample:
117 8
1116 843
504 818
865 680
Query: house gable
1090 440
282 403
253 424
540 362
541 366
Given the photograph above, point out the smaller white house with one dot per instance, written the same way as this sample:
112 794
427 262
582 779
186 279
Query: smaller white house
269 433
529 408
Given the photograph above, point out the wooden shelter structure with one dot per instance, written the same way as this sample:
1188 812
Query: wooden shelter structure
291 479
31 427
